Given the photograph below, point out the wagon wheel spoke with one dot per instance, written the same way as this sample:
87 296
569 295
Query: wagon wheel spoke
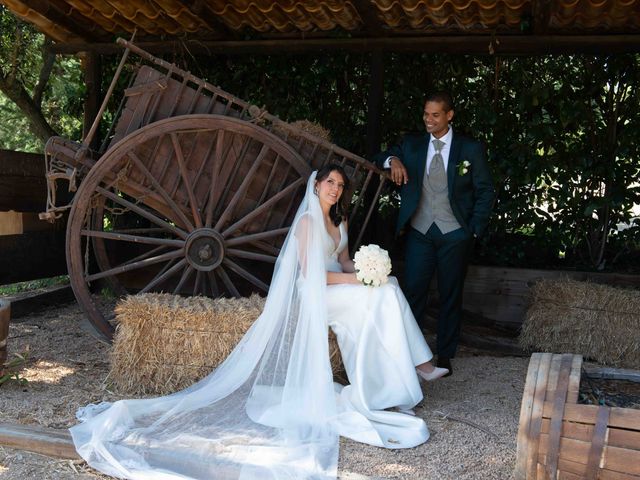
186 180
265 247
142 212
234 252
215 172
134 266
263 208
163 193
148 254
164 276
230 174
197 286
133 238
256 236
227 281
215 291
246 275
186 273
243 188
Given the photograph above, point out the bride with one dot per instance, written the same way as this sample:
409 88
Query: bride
271 409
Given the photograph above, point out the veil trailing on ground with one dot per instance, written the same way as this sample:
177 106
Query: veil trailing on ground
267 412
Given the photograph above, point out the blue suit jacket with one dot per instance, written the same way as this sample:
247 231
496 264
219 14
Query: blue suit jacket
471 195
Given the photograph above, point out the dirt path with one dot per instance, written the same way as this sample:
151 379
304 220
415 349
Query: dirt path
472 415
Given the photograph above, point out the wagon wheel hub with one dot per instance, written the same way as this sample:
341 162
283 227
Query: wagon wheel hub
204 249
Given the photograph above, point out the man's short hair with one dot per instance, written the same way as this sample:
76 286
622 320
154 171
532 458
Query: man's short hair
441 97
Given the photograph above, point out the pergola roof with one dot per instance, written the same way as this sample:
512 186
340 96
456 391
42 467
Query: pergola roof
388 24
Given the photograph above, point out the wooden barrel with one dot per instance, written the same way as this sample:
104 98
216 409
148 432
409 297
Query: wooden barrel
560 439
5 314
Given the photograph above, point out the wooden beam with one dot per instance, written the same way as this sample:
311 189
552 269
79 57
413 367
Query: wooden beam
45 441
454 44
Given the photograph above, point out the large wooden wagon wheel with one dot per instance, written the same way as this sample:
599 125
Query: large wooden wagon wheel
197 204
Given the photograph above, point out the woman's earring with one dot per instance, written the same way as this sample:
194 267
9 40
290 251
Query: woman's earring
315 190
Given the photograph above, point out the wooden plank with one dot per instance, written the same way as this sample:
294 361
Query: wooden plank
573 470
626 418
559 399
10 223
537 412
45 441
520 471
617 437
27 303
597 443
622 460
616 459
32 255
613 373
574 379
503 294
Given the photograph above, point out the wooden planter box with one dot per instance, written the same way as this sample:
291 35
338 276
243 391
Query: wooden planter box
560 439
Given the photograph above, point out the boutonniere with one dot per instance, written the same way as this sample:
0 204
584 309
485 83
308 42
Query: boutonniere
463 168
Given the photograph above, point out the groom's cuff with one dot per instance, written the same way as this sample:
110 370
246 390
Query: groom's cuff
387 162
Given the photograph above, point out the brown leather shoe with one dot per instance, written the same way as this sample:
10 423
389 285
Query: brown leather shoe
444 362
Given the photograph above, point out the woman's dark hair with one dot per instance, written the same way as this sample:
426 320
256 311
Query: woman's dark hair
338 212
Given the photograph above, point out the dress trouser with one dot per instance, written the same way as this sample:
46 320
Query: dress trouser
447 256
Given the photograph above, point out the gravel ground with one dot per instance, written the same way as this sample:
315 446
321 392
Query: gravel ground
472 415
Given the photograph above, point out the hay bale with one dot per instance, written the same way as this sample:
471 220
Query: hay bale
164 342
293 128
597 321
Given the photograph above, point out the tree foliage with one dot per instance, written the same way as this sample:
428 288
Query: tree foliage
40 95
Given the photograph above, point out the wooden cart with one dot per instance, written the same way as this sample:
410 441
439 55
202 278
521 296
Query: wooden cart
193 194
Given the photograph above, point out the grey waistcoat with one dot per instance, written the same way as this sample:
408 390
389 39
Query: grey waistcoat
433 207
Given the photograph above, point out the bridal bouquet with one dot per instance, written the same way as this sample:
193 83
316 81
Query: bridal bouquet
372 264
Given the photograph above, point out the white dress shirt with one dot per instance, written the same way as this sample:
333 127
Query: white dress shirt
446 138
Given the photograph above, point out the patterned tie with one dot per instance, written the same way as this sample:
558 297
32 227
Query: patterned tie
437 173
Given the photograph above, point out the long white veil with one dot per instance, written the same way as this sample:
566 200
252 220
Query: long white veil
267 412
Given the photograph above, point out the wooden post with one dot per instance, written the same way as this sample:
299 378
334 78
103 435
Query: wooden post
5 315
92 75
45 441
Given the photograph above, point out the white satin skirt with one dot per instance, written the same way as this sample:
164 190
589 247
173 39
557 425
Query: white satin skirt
381 344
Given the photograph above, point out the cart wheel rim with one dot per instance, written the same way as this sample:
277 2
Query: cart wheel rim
202 248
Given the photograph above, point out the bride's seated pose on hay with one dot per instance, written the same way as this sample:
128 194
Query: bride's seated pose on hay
271 409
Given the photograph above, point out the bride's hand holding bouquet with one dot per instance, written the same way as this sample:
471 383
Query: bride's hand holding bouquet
372 265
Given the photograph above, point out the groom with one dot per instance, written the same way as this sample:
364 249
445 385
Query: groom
446 199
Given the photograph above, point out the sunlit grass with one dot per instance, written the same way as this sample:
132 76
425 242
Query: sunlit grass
19 287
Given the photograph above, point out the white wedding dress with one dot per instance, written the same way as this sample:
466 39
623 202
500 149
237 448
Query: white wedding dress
380 343
271 411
